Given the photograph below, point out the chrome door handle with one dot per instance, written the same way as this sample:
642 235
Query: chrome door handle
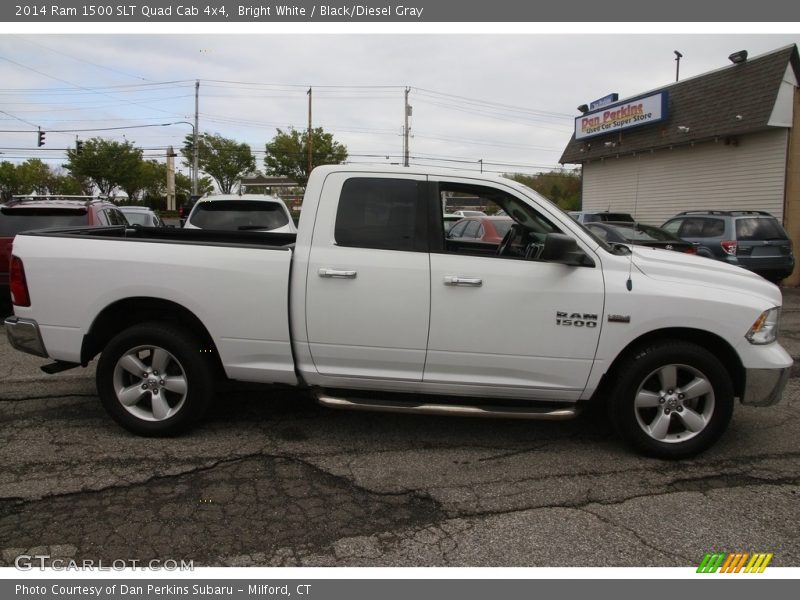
465 281
337 274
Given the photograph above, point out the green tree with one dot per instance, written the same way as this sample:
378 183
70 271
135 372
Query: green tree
225 160
560 186
33 176
183 187
62 182
287 153
107 164
9 182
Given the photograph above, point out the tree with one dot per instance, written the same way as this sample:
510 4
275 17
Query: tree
225 160
183 187
35 177
9 183
287 153
560 186
106 163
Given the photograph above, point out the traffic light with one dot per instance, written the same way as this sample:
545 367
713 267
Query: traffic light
40 142
78 146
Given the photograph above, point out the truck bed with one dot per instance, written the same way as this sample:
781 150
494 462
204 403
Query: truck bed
235 283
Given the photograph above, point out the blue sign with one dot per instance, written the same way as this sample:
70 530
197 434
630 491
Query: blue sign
603 101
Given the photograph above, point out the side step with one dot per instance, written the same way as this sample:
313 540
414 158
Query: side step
542 413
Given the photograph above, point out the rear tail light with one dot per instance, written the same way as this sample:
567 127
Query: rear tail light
690 250
729 247
18 284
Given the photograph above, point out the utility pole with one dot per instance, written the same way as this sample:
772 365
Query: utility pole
480 160
406 114
196 140
310 135
170 178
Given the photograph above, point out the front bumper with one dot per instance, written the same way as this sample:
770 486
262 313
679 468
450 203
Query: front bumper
24 335
764 387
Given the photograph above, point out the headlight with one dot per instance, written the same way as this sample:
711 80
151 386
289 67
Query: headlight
765 329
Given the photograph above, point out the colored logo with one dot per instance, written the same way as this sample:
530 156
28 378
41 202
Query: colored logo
739 562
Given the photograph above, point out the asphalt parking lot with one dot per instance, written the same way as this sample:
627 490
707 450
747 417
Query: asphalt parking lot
272 479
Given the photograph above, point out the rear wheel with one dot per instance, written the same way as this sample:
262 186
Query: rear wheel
672 399
153 380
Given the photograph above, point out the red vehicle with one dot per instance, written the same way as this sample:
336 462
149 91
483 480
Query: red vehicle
24 213
489 230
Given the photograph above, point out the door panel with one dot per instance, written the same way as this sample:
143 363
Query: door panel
367 308
507 331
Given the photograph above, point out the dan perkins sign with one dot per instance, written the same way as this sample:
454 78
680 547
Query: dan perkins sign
633 113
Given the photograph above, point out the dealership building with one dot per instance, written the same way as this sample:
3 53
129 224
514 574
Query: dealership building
725 140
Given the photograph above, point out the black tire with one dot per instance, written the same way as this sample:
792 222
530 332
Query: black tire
168 402
678 422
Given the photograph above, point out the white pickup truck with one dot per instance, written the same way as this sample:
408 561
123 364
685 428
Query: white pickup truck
372 306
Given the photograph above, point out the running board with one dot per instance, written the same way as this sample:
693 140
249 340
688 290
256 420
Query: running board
540 413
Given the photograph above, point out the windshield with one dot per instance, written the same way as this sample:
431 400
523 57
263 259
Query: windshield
239 215
644 233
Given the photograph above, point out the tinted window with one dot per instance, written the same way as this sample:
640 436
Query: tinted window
502 227
759 228
698 227
242 215
472 229
672 226
458 230
115 217
12 221
381 213
138 218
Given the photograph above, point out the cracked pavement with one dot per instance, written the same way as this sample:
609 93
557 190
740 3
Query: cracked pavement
272 479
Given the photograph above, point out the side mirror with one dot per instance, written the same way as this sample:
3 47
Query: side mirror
560 248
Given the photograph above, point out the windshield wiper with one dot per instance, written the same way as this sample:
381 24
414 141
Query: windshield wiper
251 227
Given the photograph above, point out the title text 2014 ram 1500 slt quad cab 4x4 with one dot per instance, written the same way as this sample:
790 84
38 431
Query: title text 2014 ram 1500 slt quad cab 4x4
370 305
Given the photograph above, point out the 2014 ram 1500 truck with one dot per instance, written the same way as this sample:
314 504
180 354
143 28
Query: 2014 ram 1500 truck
371 305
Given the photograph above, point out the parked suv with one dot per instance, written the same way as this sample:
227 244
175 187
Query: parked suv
584 216
23 213
249 212
752 239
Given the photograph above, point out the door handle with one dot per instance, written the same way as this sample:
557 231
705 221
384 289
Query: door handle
337 274
465 281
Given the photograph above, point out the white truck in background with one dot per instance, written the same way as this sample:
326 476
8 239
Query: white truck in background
371 306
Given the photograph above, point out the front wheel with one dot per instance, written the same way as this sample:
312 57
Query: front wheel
672 400
153 380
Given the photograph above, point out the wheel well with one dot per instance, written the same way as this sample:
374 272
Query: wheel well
125 313
709 341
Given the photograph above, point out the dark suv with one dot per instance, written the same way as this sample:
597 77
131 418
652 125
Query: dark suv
23 213
752 239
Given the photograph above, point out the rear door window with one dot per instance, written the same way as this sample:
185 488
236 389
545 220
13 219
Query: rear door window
387 214
701 228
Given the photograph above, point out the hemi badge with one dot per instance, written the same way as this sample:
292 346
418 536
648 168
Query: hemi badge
619 318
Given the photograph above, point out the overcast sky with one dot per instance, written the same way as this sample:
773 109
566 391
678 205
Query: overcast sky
507 99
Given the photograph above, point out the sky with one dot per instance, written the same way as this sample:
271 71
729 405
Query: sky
507 100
